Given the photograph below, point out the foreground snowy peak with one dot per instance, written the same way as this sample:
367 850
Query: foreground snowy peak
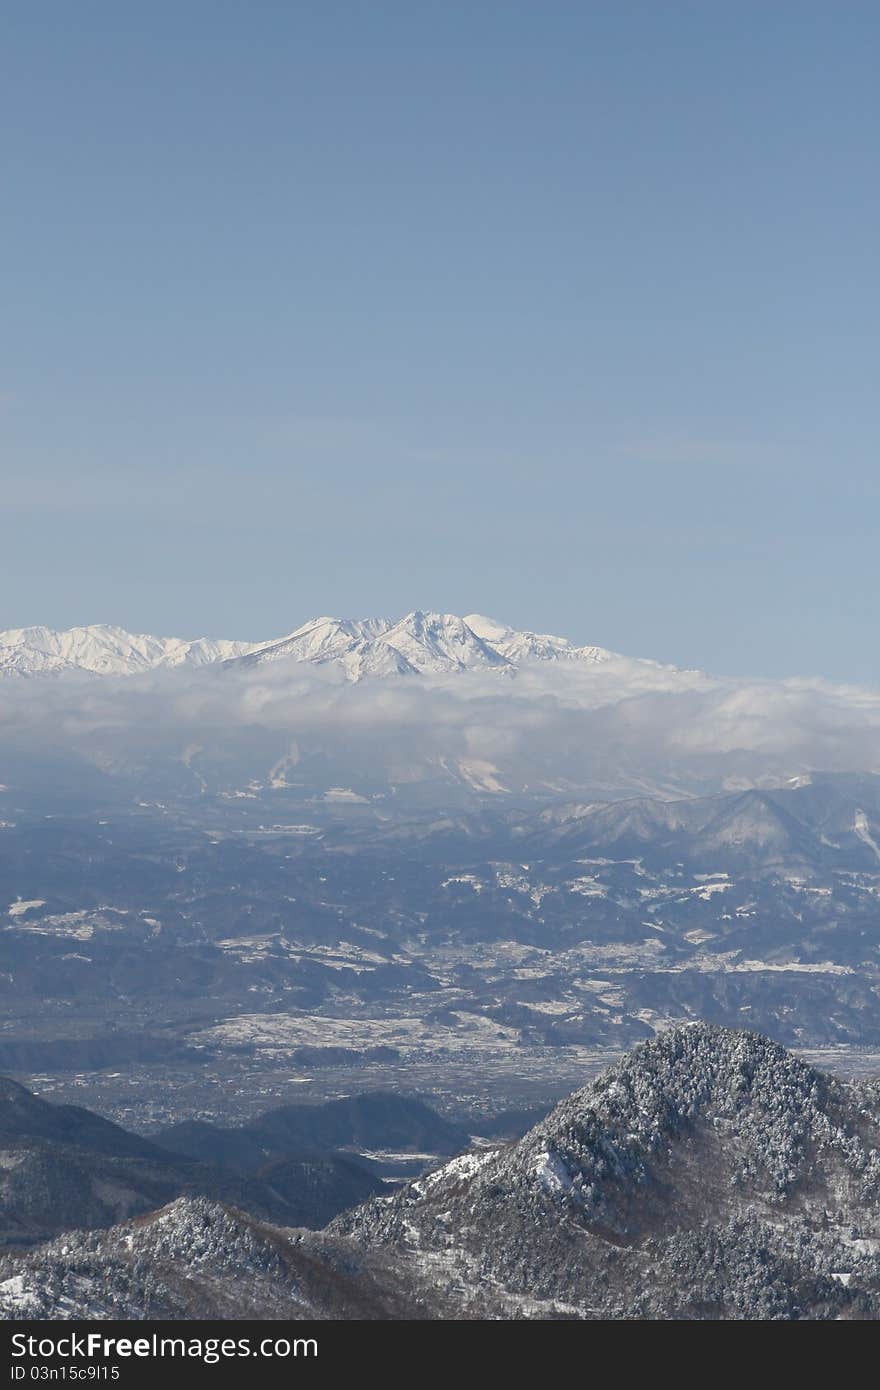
755 1119
765 1120
419 643
771 1117
707 1149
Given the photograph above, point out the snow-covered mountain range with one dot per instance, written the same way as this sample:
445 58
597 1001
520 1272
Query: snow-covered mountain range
105 651
420 643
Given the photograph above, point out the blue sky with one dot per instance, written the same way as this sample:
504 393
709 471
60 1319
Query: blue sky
565 312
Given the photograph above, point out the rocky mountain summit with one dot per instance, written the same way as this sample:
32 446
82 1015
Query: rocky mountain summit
709 1175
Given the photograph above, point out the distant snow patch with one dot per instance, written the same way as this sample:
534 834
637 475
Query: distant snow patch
19 908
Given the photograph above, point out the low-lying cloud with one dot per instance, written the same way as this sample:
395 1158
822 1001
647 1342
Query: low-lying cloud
561 726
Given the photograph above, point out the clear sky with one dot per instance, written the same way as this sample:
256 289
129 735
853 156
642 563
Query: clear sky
564 312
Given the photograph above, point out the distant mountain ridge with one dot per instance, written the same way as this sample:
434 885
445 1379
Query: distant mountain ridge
419 643
104 650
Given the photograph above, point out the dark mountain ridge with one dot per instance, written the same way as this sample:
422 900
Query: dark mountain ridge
25 1116
375 1120
62 1167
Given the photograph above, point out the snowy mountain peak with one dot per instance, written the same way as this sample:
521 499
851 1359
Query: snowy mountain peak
441 642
